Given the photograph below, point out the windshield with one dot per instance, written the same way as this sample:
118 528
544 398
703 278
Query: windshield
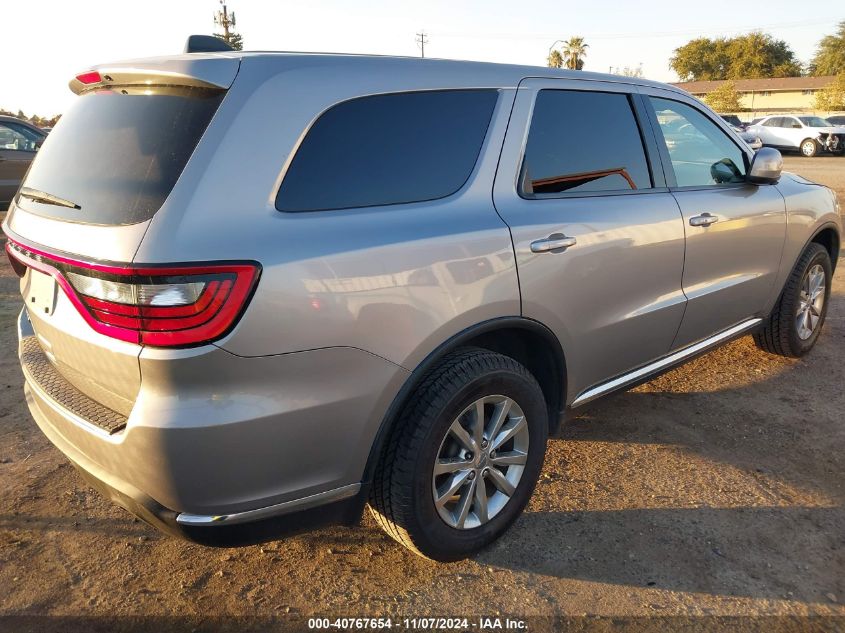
117 154
814 121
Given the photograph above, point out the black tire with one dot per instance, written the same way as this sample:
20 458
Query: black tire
779 335
809 147
402 499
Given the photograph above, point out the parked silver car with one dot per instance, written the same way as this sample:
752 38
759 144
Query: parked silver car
752 140
265 289
810 135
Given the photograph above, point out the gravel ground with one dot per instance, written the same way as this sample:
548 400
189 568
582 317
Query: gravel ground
716 489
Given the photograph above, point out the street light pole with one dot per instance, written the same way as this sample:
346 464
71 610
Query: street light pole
555 43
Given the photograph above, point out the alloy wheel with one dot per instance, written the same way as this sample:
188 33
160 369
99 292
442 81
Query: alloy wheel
810 302
480 462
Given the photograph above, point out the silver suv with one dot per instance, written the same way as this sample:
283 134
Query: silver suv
265 289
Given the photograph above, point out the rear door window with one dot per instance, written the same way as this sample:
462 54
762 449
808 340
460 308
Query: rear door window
118 154
388 149
583 141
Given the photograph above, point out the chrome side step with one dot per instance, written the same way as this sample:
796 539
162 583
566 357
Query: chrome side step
657 366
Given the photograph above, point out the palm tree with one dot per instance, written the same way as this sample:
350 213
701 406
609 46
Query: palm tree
574 52
555 60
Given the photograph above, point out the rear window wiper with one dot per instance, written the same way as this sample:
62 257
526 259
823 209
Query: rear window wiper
47 198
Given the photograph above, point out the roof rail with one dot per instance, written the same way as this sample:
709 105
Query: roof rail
206 44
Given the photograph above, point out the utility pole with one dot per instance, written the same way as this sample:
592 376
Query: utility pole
422 40
225 19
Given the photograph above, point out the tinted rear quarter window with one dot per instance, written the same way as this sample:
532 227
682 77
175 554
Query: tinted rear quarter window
388 149
583 141
118 155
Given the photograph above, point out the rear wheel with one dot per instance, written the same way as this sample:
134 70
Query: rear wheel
809 147
796 320
464 457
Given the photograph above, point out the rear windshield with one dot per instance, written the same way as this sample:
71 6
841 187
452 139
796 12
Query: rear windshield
117 154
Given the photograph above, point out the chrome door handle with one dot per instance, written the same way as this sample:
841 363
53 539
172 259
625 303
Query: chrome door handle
554 242
705 219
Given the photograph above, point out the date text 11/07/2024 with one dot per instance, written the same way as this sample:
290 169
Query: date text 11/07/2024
419 624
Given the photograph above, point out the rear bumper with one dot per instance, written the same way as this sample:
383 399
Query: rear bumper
262 524
345 511
221 449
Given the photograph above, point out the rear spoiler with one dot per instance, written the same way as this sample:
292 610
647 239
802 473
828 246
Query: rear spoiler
197 70
206 44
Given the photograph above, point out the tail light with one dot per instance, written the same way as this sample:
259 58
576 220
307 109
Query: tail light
161 306
90 77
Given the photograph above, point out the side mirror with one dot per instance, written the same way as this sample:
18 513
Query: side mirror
725 171
766 167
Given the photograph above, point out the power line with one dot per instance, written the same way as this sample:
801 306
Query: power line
614 36
422 40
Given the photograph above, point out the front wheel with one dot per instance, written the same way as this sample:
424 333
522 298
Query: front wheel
464 457
809 147
797 318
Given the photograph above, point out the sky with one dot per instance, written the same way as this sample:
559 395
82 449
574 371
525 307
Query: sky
46 43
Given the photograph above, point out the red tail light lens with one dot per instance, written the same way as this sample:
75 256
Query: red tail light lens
171 306
91 77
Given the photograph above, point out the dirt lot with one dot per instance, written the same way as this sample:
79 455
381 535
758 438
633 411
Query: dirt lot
716 489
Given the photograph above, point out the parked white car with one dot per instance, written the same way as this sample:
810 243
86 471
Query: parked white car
810 135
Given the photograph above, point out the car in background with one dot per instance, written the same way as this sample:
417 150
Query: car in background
18 143
752 140
733 120
839 119
681 136
810 135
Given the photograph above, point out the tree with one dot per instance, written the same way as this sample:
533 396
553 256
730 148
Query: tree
832 96
574 52
760 55
830 55
725 98
555 59
701 59
233 39
750 56
36 120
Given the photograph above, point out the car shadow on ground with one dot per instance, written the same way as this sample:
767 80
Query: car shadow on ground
727 552
761 430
